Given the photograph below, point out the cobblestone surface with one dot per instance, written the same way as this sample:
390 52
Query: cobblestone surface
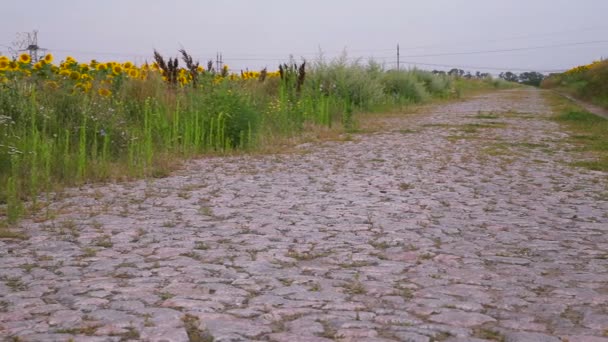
464 223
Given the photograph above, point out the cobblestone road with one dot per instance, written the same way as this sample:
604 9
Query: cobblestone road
464 223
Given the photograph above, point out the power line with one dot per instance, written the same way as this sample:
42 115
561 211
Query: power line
470 67
510 38
510 50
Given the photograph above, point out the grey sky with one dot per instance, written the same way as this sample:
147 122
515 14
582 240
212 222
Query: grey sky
256 33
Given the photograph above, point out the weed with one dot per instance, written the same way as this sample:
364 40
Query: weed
488 334
195 333
104 241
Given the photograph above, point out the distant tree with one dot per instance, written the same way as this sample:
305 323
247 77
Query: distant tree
509 76
438 72
532 78
468 75
456 72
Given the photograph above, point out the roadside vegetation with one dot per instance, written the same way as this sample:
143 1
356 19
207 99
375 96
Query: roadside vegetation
589 132
71 123
586 82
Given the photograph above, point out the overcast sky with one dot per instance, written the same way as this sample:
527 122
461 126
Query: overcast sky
257 33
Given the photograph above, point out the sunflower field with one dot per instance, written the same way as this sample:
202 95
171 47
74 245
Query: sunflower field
70 122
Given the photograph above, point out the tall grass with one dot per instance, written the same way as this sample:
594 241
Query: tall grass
588 82
52 137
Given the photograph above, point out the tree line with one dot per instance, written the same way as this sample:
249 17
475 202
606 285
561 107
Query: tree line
532 78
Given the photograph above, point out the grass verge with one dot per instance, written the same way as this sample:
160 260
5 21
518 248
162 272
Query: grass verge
588 132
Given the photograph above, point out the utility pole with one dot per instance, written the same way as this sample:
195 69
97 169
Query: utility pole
217 62
398 61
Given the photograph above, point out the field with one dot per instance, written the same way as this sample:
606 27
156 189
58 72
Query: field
70 122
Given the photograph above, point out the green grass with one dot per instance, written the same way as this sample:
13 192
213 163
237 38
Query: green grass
589 134
51 138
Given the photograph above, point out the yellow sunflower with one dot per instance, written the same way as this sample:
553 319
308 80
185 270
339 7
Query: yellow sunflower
75 75
102 67
133 73
127 65
24 58
48 58
52 84
104 92
116 69
4 64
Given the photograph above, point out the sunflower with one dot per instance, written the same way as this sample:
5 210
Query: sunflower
12 65
52 85
101 67
127 65
70 60
104 92
116 69
65 73
133 73
48 58
82 86
24 58
75 75
4 64
200 69
38 65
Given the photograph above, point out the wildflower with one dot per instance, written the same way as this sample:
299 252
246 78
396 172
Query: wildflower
48 58
24 58
104 92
